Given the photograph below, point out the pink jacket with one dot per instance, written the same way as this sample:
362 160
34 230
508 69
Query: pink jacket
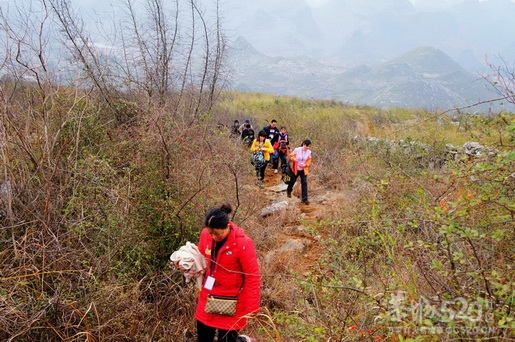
293 161
236 267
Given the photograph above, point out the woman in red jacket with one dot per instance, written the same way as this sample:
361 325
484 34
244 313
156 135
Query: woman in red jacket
232 271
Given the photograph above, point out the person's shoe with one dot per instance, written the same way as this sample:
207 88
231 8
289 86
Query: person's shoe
245 338
288 194
276 171
306 202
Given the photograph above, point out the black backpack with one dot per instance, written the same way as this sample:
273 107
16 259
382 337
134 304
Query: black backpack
287 173
283 146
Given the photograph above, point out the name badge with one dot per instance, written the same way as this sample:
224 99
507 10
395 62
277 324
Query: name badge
210 281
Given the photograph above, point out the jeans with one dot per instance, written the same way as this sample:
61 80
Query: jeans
207 334
303 184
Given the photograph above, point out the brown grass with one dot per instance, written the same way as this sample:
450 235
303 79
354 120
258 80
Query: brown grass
94 209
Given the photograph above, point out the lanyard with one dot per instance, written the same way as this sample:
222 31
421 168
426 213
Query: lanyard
215 248
304 155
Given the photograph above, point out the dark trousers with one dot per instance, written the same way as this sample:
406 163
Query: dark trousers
207 334
275 163
260 171
283 157
303 184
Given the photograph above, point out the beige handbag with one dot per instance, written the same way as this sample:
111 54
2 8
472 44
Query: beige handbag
221 305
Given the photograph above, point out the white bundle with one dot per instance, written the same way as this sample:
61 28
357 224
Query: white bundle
192 261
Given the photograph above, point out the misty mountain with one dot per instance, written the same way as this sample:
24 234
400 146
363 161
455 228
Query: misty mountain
350 32
364 51
422 78
369 51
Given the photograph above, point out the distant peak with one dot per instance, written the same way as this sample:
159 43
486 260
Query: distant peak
243 44
428 58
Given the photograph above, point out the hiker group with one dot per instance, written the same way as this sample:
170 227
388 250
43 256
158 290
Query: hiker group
271 148
224 263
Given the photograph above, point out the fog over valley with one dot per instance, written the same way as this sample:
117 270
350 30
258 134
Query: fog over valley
341 36
435 54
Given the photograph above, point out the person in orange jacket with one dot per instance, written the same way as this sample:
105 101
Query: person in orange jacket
232 271
300 160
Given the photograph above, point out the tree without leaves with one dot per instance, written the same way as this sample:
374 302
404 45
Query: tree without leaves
169 57
81 47
502 80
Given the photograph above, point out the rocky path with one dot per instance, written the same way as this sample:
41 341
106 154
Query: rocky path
298 235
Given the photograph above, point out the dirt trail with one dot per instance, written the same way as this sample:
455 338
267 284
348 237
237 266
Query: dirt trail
323 203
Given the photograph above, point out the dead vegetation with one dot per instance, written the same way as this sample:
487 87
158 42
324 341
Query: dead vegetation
92 211
103 179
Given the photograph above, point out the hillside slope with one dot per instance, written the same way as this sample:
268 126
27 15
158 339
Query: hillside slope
422 78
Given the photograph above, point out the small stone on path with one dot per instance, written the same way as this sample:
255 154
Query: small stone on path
271 209
277 188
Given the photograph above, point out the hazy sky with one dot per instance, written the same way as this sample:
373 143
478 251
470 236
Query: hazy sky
321 2
314 3
84 3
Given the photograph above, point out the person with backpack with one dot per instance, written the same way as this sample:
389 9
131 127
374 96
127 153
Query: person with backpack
247 135
272 133
235 129
300 160
232 281
261 145
283 147
244 124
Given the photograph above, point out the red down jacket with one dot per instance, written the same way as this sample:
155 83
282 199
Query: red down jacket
236 267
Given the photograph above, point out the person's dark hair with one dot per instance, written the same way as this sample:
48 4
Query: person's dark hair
274 120
247 125
262 134
306 142
283 127
218 217
236 121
